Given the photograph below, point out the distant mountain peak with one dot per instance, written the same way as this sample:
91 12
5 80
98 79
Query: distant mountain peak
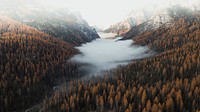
155 16
166 18
134 18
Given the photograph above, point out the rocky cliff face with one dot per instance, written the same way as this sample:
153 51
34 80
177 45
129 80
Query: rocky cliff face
134 18
151 17
166 18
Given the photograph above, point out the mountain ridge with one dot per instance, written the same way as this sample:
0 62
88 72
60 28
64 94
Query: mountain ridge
60 23
139 16
165 18
133 18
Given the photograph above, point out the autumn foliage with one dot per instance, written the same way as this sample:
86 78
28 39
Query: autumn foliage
30 61
167 82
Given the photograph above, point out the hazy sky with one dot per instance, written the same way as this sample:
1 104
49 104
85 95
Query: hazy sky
103 13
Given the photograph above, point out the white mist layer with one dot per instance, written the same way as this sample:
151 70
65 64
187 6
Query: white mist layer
106 35
105 54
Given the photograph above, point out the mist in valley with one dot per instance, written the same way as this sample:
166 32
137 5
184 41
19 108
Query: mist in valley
105 54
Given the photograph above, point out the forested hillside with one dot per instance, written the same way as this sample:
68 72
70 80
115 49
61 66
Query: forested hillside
30 62
167 82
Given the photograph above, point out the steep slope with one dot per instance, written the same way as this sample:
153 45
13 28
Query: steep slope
60 23
30 62
166 19
97 29
150 14
134 18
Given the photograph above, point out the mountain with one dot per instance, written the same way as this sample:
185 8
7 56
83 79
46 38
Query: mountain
165 82
134 18
30 63
150 14
61 23
34 56
166 18
97 29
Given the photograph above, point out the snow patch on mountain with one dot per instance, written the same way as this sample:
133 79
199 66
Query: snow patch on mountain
160 19
134 18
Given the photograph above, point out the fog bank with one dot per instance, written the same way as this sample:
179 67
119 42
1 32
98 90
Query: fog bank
106 35
104 54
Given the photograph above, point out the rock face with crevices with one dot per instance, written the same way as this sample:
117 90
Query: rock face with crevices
134 18
165 19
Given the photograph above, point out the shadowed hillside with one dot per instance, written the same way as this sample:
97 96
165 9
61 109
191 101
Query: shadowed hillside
30 61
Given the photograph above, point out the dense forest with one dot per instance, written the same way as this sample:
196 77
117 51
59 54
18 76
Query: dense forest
30 63
167 82
33 62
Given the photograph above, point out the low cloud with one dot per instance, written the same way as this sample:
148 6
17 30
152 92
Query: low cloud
105 54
